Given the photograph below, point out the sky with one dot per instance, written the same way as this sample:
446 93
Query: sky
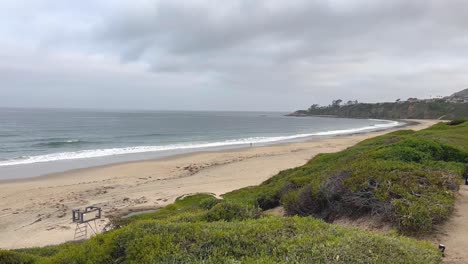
238 55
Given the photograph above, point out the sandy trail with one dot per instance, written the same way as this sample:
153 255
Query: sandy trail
37 211
454 233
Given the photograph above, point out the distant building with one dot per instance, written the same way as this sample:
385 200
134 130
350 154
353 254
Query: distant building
412 100
456 100
459 97
464 99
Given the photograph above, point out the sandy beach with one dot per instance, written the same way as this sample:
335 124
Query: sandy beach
37 211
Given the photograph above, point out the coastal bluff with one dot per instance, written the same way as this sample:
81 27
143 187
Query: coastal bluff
448 108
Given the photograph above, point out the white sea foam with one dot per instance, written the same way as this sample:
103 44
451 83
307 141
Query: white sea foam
95 153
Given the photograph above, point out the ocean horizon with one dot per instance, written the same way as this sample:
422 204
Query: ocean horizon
34 142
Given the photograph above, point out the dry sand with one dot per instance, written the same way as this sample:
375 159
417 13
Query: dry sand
454 233
37 211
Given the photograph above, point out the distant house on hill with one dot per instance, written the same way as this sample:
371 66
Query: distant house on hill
460 97
412 100
456 100
434 99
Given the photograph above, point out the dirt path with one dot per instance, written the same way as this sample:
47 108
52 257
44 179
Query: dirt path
454 234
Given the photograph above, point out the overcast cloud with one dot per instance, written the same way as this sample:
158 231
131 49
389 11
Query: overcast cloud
229 55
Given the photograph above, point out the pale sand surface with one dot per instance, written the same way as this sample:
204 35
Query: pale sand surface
37 211
454 233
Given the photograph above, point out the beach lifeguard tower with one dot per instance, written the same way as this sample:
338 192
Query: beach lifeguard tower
83 219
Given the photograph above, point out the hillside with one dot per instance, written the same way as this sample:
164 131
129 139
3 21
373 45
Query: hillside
405 178
461 94
404 110
450 107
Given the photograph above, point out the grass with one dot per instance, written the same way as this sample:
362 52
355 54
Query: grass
407 178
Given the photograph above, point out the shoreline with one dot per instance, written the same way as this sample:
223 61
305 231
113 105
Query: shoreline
405 123
36 211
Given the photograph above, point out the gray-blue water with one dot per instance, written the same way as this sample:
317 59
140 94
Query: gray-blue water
38 141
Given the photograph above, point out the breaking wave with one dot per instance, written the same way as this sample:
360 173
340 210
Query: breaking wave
94 153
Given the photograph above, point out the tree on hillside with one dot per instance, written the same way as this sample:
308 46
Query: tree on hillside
351 102
337 102
313 107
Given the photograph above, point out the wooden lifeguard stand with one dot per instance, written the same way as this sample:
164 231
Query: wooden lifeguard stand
83 219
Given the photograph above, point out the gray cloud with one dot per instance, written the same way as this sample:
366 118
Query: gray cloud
243 55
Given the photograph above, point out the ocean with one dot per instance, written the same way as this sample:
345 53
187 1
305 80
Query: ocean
40 141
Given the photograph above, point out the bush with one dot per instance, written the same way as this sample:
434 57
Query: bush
456 122
117 222
304 202
406 154
11 257
228 211
268 200
208 203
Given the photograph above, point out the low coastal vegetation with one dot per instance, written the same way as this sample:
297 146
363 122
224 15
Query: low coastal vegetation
405 178
265 240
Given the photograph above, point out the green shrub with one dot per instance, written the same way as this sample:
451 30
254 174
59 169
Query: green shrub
117 222
183 206
209 202
456 122
406 154
11 257
228 211
268 200
41 251
303 202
